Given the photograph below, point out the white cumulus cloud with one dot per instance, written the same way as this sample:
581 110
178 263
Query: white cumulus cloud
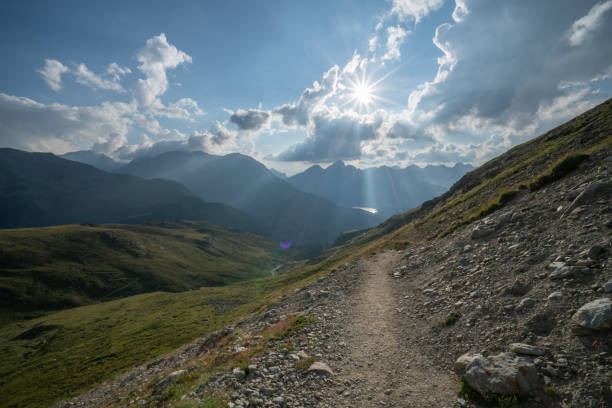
85 77
52 73
415 9
395 38
298 113
30 125
155 58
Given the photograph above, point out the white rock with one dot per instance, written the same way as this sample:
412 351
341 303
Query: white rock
595 315
566 271
526 303
170 378
504 374
320 367
476 294
482 230
556 265
555 296
522 348
238 373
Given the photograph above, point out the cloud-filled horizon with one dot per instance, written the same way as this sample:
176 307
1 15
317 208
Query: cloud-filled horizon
371 83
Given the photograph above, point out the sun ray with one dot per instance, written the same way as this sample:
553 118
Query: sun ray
362 90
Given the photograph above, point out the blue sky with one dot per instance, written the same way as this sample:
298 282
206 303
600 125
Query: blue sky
296 83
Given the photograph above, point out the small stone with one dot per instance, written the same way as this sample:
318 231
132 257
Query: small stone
596 251
526 303
555 296
554 372
556 265
567 271
476 294
171 378
238 373
607 287
522 348
482 230
321 368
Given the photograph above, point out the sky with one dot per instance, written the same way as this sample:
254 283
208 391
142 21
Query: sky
292 84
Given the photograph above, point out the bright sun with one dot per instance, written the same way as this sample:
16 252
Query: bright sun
362 93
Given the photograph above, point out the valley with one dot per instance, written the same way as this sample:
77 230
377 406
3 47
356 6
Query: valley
54 268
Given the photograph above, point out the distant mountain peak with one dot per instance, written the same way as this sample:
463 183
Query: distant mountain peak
98 160
387 189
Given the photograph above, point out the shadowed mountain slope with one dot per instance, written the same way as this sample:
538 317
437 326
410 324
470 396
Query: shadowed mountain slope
40 189
244 183
98 160
389 190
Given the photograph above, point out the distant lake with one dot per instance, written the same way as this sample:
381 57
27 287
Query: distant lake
368 209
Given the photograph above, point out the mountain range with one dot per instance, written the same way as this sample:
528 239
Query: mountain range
242 182
40 189
388 190
309 208
99 160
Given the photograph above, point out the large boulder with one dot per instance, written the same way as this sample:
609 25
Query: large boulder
503 374
595 315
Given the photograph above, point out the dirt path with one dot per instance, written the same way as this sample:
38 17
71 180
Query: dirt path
386 370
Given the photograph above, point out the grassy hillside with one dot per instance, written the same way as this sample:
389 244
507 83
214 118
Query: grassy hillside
44 269
64 353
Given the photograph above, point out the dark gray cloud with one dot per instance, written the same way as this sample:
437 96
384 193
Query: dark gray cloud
403 130
334 137
507 59
252 119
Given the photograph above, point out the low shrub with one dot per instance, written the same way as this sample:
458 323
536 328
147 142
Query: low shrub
450 319
298 324
304 364
558 170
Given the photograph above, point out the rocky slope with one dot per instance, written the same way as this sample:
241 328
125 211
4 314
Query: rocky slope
496 307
